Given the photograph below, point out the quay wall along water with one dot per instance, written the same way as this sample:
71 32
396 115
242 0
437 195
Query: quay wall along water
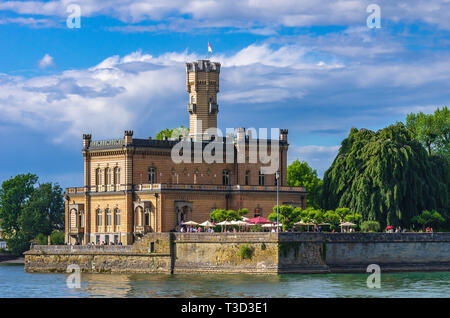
265 253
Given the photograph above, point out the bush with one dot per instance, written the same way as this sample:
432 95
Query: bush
245 252
57 238
256 228
18 244
370 226
41 239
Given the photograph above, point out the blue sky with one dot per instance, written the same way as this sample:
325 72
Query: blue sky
313 67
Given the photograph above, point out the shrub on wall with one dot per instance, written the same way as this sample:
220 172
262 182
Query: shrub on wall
245 252
370 226
41 239
57 238
256 228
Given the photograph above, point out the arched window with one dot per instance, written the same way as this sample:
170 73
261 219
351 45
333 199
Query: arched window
261 178
98 176
117 215
108 176
108 217
73 218
247 177
151 175
116 175
226 177
99 217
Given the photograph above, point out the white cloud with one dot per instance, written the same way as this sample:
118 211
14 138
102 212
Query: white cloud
244 14
46 61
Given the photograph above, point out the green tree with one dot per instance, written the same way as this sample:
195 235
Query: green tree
427 218
163 134
27 210
386 176
172 133
57 238
220 215
300 174
332 217
288 216
44 211
14 196
432 130
370 226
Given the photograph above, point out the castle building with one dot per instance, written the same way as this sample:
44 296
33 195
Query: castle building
134 186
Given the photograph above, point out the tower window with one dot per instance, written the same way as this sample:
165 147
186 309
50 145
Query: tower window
261 178
226 177
151 175
247 177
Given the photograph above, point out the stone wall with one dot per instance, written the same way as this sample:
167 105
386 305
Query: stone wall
267 253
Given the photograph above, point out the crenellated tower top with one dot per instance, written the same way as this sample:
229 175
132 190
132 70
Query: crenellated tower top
202 79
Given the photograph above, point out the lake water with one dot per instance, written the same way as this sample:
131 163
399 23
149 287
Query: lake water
14 282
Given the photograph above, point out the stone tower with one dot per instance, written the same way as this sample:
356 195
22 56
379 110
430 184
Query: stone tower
202 79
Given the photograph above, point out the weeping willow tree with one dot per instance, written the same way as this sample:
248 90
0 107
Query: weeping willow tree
386 176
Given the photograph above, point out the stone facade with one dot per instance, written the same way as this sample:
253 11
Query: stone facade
133 186
269 253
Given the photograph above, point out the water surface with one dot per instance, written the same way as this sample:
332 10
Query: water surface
14 282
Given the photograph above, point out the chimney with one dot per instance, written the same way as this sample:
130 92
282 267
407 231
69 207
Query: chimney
283 135
86 140
128 137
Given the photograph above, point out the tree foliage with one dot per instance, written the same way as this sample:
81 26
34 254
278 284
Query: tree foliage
288 215
220 215
300 174
432 130
428 218
370 226
386 176
172 133
27 210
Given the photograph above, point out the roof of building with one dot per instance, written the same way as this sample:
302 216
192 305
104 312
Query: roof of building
154 143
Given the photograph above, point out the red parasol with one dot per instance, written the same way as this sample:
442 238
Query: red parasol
259 220
389 227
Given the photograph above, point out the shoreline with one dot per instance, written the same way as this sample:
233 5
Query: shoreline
253 253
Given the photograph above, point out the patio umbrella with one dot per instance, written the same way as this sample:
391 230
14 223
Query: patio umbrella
259 220
348 224
389 227
224 223
302 223
207 224
271 225
190 223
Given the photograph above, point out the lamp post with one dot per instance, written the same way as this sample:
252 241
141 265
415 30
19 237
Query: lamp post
277 176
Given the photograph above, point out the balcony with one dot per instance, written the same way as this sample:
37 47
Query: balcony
76 230
142 229
192 108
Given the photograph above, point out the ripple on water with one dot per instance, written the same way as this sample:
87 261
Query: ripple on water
14 282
